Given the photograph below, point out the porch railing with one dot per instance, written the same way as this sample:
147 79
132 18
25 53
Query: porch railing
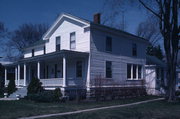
52 82
76 82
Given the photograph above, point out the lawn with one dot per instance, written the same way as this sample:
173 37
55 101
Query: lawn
24 108
153 110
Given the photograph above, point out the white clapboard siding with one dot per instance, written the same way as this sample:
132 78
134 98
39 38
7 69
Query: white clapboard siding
120 55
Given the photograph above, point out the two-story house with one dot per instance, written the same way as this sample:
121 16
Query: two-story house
74 51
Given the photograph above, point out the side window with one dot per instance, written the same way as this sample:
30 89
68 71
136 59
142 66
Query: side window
32 52
58 43
134 49
108 69
109 44
73 40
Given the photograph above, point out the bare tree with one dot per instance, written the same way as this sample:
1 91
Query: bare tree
25 35
149 29
166 11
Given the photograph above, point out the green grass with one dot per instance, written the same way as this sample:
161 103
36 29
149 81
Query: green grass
23 108
153 110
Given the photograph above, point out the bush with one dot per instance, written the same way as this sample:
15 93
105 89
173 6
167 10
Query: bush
177 93
34 87
46 96
11 87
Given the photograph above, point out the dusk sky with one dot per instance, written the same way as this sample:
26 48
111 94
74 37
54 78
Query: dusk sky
16 12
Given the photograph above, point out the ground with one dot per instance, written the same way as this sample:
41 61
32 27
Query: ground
159 109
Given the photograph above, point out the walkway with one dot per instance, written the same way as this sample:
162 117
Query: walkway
89 110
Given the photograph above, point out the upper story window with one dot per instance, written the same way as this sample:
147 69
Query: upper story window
109 44
79 69
58 43
32 52
44 48
72 40
134 49
108 69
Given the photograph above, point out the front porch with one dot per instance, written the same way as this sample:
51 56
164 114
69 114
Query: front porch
59 69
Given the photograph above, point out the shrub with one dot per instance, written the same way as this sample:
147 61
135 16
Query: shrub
34 87
177 93
46 96
11 87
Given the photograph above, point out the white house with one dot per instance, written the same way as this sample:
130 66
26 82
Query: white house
74 51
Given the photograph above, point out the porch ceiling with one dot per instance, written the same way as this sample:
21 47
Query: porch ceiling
61 53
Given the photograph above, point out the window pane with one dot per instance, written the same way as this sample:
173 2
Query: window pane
139 71
128 71
108 44
108 69
134 71
79 69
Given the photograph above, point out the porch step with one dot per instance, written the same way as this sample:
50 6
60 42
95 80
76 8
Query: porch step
21 91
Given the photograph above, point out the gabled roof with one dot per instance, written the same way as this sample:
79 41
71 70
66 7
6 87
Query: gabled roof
60 19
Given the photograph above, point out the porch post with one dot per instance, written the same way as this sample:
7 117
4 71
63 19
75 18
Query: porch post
64 71
18 74
16 80
5 76
24 74
38 70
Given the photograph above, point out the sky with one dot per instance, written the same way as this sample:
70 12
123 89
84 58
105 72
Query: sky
16 12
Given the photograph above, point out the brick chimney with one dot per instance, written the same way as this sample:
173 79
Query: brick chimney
97 18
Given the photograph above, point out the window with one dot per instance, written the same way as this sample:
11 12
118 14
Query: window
134 71
108 69
58 42
44 49
47 71
157 73
79 69
72 40
128 71
139 71
109 44
55 72
32 52
134 49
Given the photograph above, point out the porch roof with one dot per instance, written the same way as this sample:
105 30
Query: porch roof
61 53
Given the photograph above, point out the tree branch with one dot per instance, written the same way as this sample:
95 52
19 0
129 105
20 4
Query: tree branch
145 6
